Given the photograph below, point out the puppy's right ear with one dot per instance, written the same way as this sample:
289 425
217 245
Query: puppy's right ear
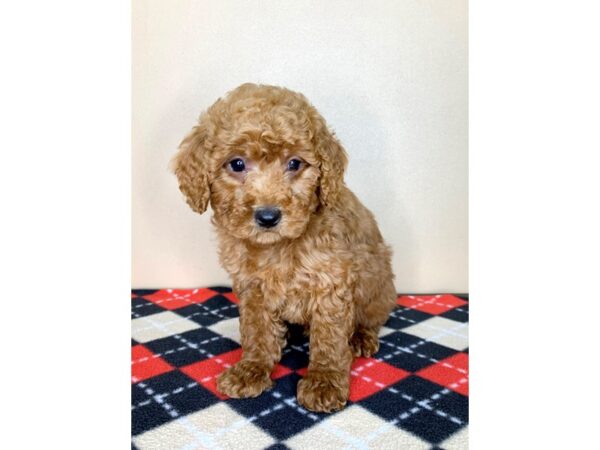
190 167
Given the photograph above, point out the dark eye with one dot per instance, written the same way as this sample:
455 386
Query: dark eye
293 165
237 165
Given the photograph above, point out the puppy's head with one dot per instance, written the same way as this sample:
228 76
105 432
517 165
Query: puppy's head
265 159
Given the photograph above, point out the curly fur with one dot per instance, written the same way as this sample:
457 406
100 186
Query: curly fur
324 266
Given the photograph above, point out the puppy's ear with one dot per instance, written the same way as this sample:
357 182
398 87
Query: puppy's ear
333 159
190 167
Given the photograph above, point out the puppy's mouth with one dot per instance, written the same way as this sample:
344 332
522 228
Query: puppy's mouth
266 236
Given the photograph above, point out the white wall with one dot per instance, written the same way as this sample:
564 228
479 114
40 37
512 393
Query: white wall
390 77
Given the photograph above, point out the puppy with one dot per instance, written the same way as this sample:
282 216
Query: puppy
298 244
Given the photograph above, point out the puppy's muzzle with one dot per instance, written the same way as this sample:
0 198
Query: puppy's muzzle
267 217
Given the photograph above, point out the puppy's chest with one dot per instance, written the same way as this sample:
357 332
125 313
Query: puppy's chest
287 286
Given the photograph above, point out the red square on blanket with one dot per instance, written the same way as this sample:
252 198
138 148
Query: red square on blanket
452 373
432 304
178 298
206 372
145 364
369 376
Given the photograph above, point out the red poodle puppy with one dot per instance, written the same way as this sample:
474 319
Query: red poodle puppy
298 244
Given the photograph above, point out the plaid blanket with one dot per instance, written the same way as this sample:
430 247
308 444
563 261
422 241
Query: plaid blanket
412 394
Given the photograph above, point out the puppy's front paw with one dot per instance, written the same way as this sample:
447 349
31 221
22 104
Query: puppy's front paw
323 392
245 379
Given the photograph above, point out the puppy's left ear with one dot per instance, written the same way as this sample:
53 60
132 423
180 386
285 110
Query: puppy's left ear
333 160
190 167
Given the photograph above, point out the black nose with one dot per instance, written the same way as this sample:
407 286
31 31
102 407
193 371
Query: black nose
267 217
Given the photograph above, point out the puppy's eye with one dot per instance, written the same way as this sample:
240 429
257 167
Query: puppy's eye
237 165
293 165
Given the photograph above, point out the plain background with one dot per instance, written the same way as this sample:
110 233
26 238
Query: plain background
390 77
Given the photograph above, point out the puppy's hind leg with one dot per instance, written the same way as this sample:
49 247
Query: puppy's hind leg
364 342
369 319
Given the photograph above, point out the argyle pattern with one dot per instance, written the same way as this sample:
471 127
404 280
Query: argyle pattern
412 394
